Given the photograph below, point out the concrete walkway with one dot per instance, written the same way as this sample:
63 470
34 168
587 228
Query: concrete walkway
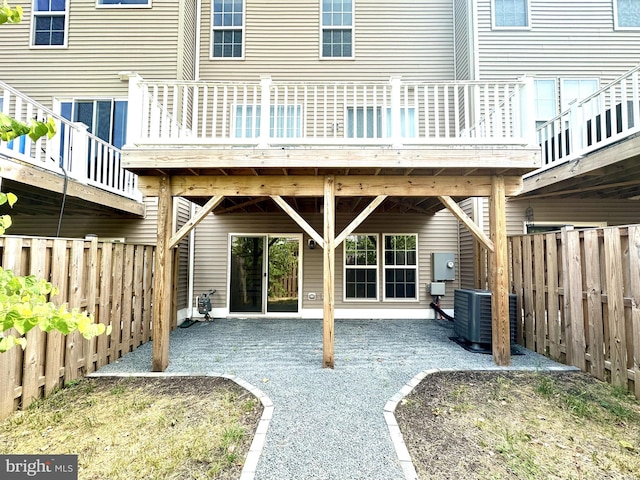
327 424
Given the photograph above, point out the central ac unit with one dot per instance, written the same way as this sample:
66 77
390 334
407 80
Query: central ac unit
472 317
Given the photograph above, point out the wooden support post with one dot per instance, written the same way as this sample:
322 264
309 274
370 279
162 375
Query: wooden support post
499 274
162 279
329 271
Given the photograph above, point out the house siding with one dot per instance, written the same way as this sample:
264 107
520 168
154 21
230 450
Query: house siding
566 39
188 45
101 43
411 38
435 234
182 208
133 230
463 39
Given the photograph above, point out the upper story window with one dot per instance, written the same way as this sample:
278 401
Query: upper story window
49 23
124 3
511 14
337 29
228 29
626 14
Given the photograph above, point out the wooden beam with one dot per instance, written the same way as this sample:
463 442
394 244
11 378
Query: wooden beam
470 156
369 209
162 276
475 230
592 188
191 224
329 273
238 206
54 182
295 216
499 280
345 186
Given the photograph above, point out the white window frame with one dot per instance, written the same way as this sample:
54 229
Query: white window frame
580 97
242 111
555 98
616 23
406 267
241 29
99 4
375 268
352 28
515 27
49 13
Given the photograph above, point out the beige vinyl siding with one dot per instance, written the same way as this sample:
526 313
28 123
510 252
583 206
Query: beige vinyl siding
412 38
133 230
101 43
566 39
613 212
435 234
463 43
182 216
188 44
467 264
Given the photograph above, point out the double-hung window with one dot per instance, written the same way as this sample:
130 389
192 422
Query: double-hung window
49 23
511 14
576 89
401 267
337 28
626 14
285 121
373 124
228 29
361 267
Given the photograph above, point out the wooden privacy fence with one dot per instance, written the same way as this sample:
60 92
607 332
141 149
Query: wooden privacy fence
579 293
113 281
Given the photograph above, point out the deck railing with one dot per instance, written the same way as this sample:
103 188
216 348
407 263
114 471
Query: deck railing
83 156
604 117
338 113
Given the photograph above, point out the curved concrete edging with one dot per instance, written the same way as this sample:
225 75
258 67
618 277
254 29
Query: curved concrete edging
259 438
390 407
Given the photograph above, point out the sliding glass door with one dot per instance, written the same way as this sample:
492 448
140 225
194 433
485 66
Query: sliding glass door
264 274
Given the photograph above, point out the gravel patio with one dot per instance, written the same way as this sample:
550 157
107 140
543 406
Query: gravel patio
327 424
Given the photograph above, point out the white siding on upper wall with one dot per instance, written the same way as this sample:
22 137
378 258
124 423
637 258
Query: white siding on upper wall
436 233
411 38
566 39
101 43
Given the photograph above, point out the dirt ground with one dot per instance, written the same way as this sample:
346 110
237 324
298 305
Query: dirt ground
485 425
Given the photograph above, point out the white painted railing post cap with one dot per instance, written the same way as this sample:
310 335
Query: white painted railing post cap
124 75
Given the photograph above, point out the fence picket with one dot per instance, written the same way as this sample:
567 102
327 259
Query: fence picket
529 315
33 369
553 318
540 304
615 307
594 303
634 291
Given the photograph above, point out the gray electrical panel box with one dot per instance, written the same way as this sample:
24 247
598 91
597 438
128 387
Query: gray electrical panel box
443 266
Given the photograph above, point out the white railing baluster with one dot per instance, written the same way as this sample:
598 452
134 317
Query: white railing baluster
214 113
205 108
